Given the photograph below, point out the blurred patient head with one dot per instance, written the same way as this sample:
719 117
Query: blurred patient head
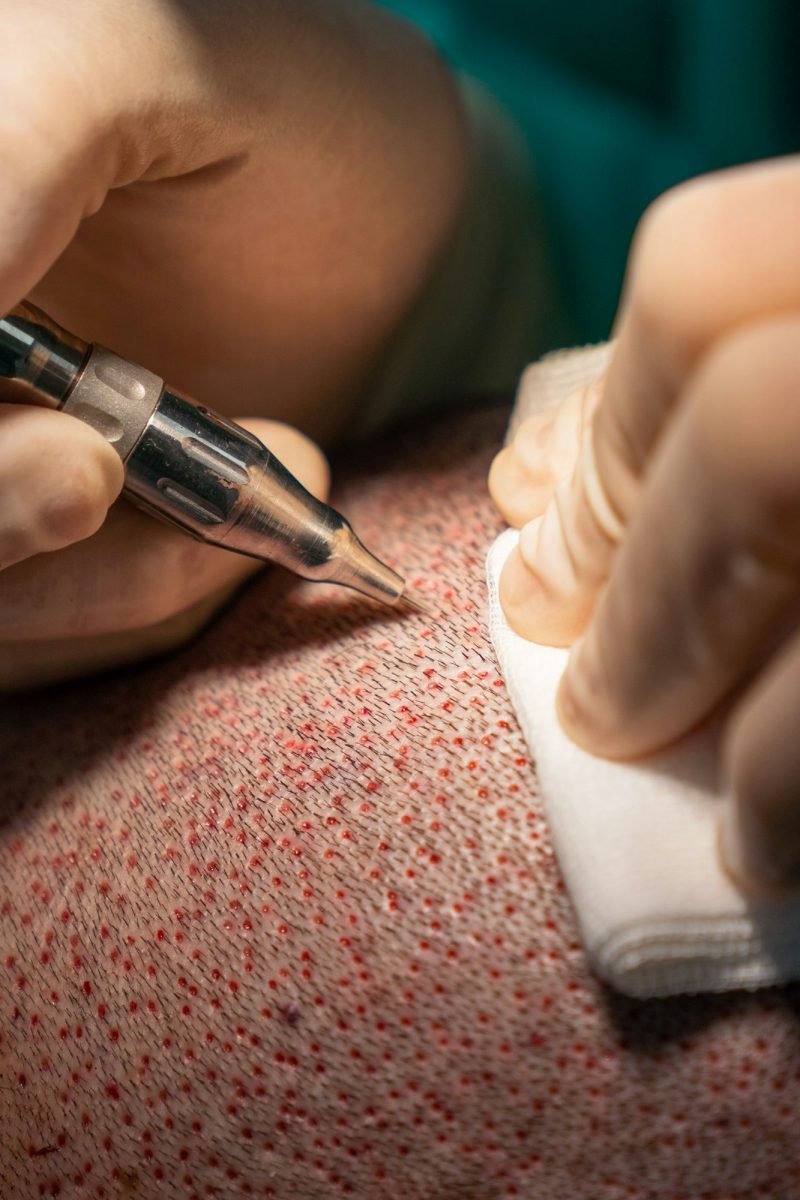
279 918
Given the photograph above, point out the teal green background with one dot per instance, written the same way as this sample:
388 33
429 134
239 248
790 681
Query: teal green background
620 99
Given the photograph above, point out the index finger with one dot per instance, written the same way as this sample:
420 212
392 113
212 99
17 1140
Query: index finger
712 255
709 576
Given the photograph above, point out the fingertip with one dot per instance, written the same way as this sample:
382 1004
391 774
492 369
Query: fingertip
519 590
496 480
58 479
576 706
729 848
77 490
760 826
749 857
107 465
519 492
590 711
567 709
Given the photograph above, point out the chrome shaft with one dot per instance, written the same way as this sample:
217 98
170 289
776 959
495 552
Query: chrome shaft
187 465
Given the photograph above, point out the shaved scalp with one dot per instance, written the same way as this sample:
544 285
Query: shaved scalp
279 917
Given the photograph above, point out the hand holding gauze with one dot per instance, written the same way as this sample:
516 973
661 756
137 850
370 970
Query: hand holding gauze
666 542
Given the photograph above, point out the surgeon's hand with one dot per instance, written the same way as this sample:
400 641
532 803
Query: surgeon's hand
245 197
665 541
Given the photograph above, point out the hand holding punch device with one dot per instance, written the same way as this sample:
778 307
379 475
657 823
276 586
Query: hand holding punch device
187 465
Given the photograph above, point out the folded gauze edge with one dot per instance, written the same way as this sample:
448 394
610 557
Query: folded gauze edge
636 842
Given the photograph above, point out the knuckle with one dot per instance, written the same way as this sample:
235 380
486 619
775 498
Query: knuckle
662 228
671 213
679 263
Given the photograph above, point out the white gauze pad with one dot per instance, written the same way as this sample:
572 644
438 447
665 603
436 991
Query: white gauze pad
637 842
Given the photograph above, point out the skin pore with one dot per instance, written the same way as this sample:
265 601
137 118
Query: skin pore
279 917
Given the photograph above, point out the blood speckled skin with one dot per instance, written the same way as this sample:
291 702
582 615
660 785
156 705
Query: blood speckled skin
279 918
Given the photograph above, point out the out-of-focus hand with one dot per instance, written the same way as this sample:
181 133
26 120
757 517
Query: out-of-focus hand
134 589
664 537
245 198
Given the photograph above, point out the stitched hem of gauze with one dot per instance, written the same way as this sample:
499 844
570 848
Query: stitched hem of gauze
637 842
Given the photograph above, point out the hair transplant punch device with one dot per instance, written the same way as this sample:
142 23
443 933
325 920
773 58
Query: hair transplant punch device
188 465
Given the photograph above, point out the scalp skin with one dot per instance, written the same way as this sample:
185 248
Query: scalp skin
279 918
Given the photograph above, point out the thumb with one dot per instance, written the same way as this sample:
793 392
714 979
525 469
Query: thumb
136 588
58 479
136 572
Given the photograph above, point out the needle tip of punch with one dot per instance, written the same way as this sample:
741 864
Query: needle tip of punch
411 600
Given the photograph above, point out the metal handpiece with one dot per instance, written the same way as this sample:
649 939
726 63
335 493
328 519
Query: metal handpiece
186 464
